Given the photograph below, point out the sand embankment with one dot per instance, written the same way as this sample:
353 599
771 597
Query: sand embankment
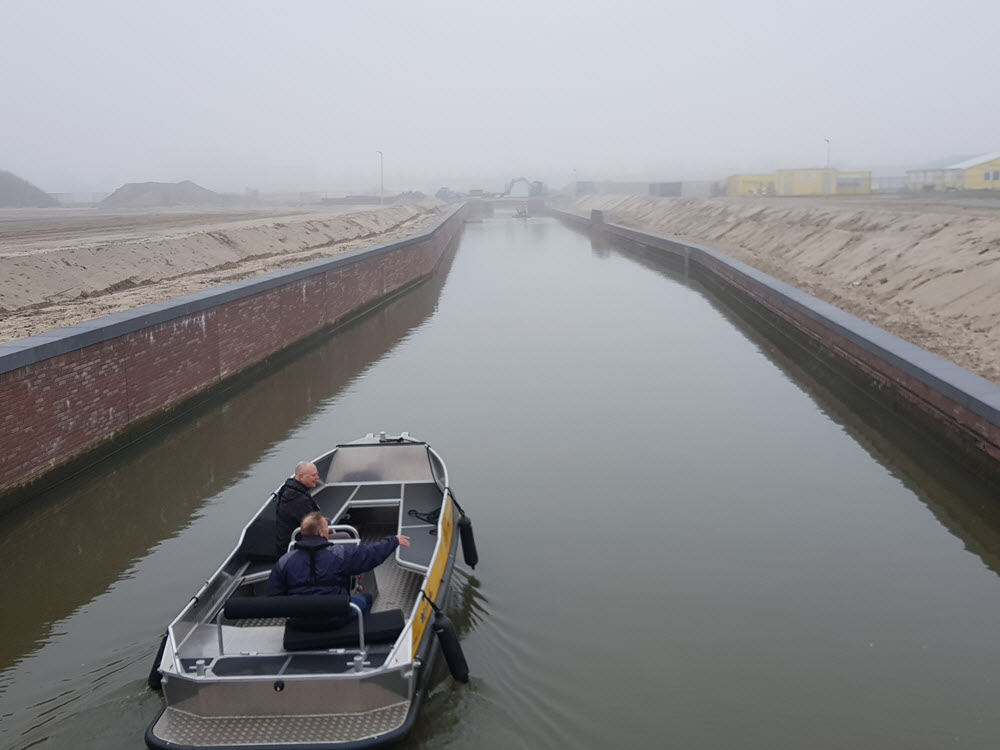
929 273
58 268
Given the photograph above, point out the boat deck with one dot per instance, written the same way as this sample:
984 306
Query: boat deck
398 588
414 506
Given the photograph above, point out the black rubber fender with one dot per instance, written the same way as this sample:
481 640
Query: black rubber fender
448 638
155 679
469 551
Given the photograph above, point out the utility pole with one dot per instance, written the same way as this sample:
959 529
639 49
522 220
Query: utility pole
827 152
381 178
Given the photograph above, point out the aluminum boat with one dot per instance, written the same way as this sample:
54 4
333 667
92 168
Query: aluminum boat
236 672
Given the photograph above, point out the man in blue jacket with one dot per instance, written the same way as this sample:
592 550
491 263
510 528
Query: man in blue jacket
314 566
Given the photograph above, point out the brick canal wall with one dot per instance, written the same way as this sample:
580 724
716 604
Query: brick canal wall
68 395
954 403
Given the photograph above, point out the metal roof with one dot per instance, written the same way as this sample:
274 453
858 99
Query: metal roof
975 161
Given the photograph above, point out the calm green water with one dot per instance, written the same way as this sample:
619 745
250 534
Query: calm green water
685 541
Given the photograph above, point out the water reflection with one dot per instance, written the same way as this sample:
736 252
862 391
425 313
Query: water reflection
468 604
600 245
931 468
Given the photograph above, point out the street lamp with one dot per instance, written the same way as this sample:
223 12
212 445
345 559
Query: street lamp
381 178
827 152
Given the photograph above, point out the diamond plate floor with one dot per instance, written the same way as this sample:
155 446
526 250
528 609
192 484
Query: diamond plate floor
183 728
397 588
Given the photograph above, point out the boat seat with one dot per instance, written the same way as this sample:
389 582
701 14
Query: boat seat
380 627
312 605
258 541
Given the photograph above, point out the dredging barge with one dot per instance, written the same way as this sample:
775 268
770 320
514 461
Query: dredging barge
236 673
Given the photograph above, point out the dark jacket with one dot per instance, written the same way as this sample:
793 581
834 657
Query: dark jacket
317 567
294 504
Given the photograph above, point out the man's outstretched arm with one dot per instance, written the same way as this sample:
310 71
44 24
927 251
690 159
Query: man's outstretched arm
364 558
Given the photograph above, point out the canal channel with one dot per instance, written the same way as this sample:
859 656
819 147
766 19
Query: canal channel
690 536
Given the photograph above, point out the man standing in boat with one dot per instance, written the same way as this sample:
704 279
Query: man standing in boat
314 566
294 504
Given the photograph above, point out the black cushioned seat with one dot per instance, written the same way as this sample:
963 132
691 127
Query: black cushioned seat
380 627
314 605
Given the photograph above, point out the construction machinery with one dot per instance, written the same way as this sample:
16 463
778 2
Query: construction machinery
535 188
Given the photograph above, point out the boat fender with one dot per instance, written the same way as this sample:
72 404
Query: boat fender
155 679
469 551
448 638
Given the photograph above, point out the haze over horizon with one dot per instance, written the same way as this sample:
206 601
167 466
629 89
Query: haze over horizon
300 96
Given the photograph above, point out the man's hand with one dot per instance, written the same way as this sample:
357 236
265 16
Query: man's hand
404 541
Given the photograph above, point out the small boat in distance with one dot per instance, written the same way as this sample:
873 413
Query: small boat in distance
236 672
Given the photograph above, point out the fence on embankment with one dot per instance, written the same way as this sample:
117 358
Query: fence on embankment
954 403
71 395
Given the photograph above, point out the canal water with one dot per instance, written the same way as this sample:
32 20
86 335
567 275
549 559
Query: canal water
687 538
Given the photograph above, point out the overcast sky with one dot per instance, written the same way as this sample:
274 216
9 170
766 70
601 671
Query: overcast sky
299 95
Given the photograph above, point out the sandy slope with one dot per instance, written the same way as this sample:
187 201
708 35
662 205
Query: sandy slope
62 267
928 273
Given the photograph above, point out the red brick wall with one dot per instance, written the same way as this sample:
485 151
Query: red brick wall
167 362
60 406
57 409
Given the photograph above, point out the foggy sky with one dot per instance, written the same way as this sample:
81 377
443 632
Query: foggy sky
299 95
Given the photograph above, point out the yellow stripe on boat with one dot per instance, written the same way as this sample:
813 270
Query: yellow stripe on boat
436 574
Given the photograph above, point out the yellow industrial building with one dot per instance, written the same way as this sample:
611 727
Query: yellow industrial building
752 184
801 182
979 173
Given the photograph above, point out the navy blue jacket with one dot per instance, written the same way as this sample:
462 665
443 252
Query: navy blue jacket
317 567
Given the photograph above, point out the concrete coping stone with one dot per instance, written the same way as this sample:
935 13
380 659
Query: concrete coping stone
977 394
42 346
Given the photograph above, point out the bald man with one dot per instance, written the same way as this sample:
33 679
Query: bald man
294 504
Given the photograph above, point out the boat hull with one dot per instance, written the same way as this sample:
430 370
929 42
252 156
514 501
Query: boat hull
299 705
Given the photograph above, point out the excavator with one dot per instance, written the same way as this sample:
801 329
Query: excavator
535 188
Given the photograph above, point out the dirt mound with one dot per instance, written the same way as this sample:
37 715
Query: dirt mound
18 193
47 280
162 194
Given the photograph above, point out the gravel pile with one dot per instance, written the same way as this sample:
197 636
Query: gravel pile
18 193
162 194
